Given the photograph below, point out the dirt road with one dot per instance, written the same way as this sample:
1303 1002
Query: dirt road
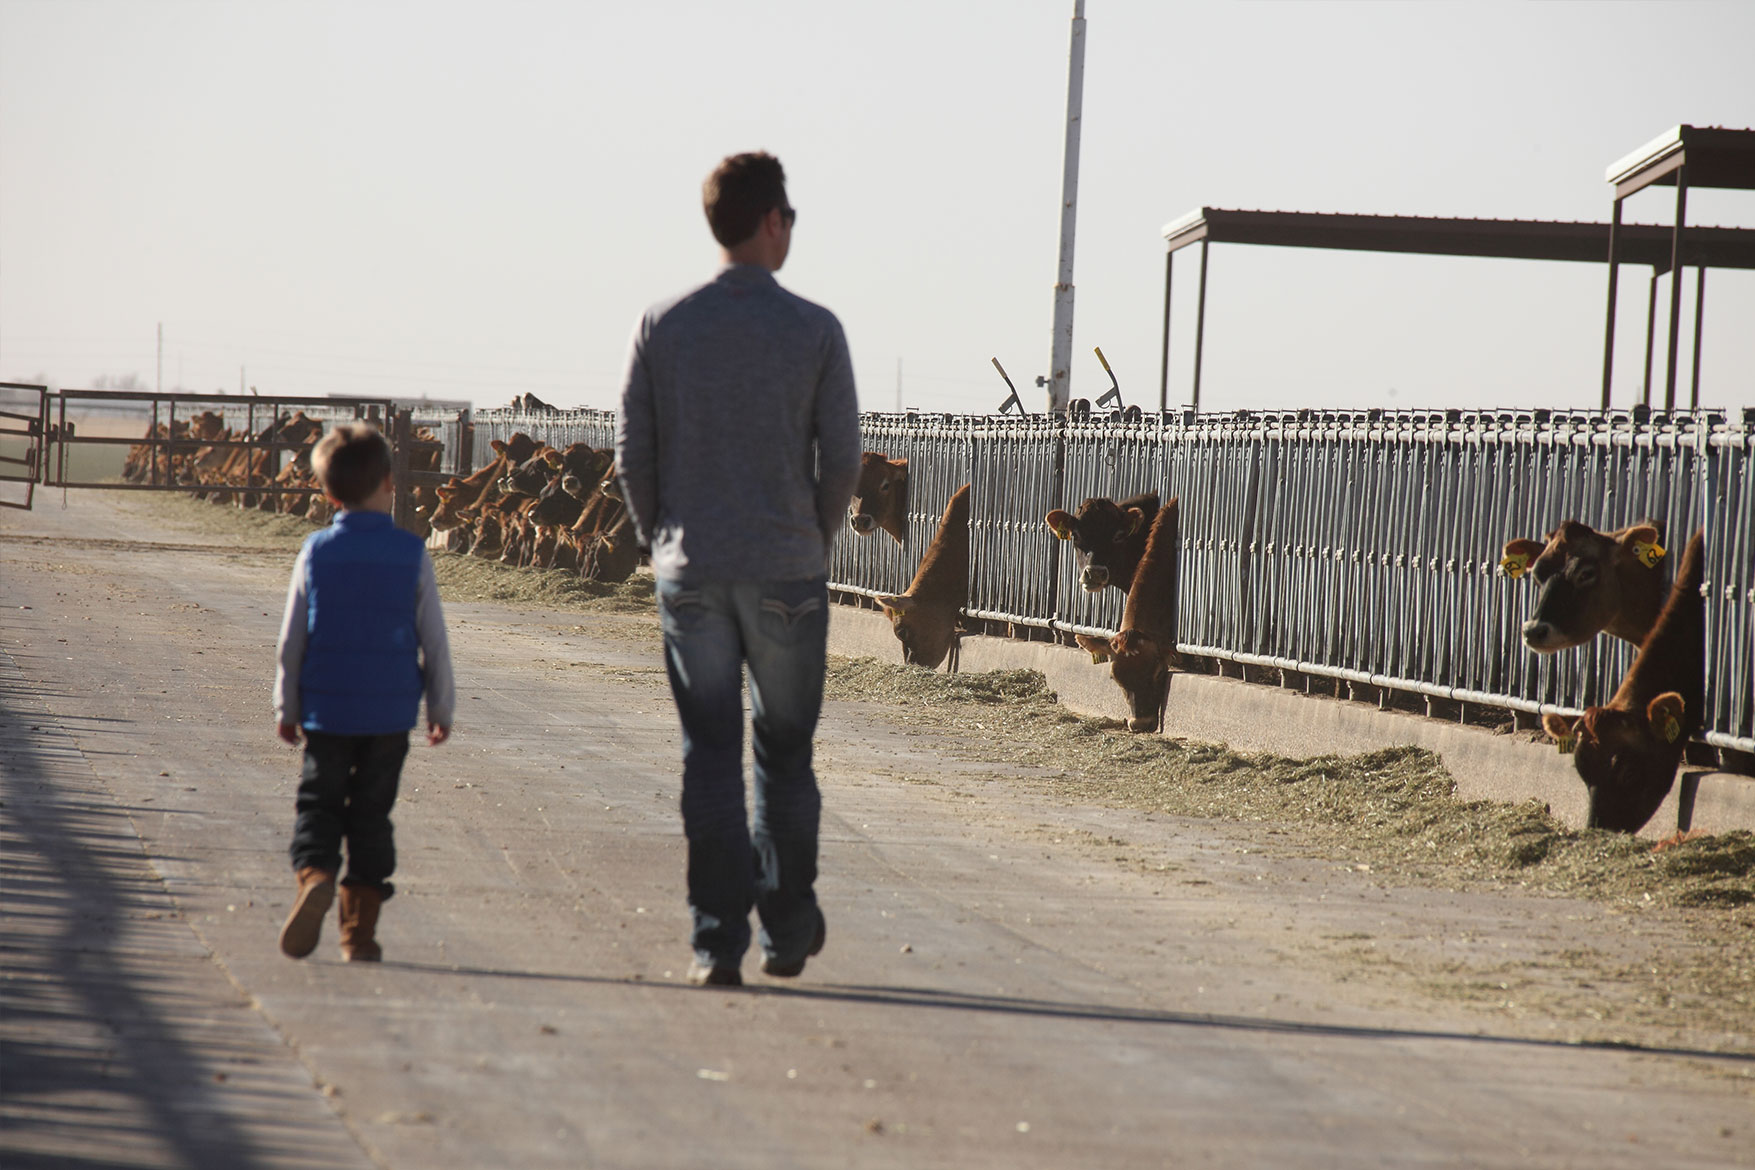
1008 980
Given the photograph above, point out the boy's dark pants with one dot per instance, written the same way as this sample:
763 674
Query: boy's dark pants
345 793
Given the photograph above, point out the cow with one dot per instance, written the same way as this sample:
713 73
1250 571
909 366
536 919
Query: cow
531 475
608 549
924 617
1110 537
880 499
1143 651
461 499
1627 752
1590 582
559 502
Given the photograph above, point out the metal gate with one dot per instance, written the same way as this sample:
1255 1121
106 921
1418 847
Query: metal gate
23 427
221 445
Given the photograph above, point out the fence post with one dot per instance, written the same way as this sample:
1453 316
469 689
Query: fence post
401 433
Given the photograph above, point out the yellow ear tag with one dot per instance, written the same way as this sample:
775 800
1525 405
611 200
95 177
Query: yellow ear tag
1566 744
1063 533
1648 554
1515 565
1672 729
1097 656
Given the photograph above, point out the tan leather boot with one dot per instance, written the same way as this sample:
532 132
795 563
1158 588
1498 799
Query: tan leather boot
359 923
304 924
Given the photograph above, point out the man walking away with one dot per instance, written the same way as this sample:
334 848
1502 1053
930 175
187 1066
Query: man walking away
738 449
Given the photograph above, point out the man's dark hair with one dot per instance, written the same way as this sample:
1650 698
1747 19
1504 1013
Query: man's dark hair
351 462
739 192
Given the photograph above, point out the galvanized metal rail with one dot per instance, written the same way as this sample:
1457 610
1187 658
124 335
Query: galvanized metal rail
1356 546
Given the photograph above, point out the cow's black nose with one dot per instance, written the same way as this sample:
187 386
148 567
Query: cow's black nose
863 523
1537 634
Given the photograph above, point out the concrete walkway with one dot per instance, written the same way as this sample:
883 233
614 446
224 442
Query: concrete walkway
1007 981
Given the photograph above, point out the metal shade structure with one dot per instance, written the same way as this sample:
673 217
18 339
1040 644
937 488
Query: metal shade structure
1510 239
1687 156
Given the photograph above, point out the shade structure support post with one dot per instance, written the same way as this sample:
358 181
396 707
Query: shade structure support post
1676 285
1164 355
1651 296
1699 315
1609 329
1200 323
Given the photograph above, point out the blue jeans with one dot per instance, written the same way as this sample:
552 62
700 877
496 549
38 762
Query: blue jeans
780 628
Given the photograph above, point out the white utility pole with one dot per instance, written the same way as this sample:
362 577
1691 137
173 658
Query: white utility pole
159 385
1060 365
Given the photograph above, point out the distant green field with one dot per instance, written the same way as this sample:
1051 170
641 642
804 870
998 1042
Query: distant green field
85 462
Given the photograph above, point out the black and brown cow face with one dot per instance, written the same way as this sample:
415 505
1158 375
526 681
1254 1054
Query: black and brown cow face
530 476
1627 759
1110 538
1140 666
1589 582
582 468
880 499
926 631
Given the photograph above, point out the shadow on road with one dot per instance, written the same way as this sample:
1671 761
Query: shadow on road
940 1000
96 1070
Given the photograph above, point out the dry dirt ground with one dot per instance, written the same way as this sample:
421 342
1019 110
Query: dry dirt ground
1051 943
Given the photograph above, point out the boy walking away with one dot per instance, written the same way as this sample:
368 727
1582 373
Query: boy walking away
362 640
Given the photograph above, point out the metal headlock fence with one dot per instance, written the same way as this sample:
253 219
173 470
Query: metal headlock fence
1358 546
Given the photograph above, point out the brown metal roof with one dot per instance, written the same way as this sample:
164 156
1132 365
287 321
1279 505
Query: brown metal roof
1515 239
1715 157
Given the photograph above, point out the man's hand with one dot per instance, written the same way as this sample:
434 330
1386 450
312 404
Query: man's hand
288 732
437 733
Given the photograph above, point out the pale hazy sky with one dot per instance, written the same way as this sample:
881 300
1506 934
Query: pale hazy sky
473 200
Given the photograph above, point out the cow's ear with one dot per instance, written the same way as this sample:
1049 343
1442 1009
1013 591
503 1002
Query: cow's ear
553 458
1097 648
1060 522
896 606
1561 730
1519 555
1665 713
1641 543
1136 520
900 465
499 446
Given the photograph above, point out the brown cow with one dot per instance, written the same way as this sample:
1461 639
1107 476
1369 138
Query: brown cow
1590 582
608 549
924 618
1143 651
1627 752
1110 537
880 499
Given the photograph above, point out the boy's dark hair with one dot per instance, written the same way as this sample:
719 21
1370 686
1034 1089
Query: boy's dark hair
351 462
739 192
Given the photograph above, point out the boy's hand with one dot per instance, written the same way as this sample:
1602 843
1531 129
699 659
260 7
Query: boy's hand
288 732
437 733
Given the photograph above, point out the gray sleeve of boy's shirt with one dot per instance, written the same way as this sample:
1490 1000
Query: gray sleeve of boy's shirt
290 655
435 647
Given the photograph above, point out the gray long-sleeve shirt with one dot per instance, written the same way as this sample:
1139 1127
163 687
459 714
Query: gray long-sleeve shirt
737 443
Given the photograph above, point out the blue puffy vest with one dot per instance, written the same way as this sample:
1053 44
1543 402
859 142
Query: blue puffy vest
361 674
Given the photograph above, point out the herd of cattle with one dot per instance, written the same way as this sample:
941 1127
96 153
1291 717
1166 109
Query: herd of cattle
538 506
1626 751
532 505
